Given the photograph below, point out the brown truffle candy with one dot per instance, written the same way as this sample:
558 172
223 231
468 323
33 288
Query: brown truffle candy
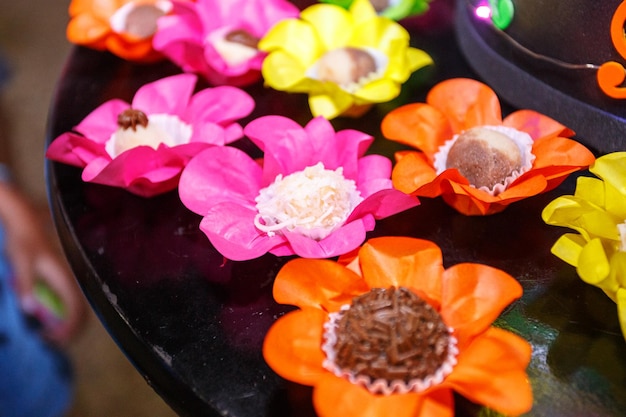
484 156
345 66
391 334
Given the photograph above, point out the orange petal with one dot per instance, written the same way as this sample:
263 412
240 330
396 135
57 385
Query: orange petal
132 49
337 397
87 30
317 283
491 371
403 261
561 153
466 103
418 125
292 346
474 295
100 9
412 170
536 124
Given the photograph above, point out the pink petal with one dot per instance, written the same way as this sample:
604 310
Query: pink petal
208 133
76 150
219 174
374 174
101 123
169 95
285 143
222 105
349 146
141 170
230 229
341 241
383 204
180 37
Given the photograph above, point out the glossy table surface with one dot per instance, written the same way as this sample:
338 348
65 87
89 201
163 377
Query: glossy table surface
193 324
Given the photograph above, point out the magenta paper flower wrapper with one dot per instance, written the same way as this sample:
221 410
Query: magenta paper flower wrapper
218 39
314 194
144 145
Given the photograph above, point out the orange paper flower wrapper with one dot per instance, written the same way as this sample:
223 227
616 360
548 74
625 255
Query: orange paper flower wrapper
456 105
488 363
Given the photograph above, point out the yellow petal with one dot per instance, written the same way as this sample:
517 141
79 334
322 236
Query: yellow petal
618 271
593 264
378 91
582 216
295 37
332 24
363 11
416 59
614 201
329 106
282 71
379 34
591 190
612 168
621 309
568 247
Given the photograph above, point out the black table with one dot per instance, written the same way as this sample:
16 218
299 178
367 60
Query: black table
193 325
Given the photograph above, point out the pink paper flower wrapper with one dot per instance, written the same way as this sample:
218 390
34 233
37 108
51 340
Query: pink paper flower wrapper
222 184
193 37
146 170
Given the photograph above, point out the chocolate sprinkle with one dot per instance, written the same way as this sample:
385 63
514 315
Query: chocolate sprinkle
242 37
391 334
130 118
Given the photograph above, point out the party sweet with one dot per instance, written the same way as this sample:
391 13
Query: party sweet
350 340
144 145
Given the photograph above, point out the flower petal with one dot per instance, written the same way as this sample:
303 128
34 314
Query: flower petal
169 95
418 125
141 170
582 216
412 171
346 238
473 296
384 203
593 263
321 284
101 123
292 346
333 25
77 150
466 103
621 309
230 229
333 396
612 169
219 174
568 247
297 39
558 157
400 261
222 105
491 371
536 124
373 174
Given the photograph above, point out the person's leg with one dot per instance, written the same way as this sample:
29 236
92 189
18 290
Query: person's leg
35 378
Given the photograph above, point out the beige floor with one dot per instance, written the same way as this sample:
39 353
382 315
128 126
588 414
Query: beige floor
32 40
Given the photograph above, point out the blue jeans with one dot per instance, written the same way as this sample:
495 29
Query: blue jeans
35 379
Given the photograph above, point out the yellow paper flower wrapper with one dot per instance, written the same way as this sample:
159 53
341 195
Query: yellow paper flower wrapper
597 211
298 52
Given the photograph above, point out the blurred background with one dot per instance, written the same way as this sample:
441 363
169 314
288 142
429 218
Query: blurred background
34 48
